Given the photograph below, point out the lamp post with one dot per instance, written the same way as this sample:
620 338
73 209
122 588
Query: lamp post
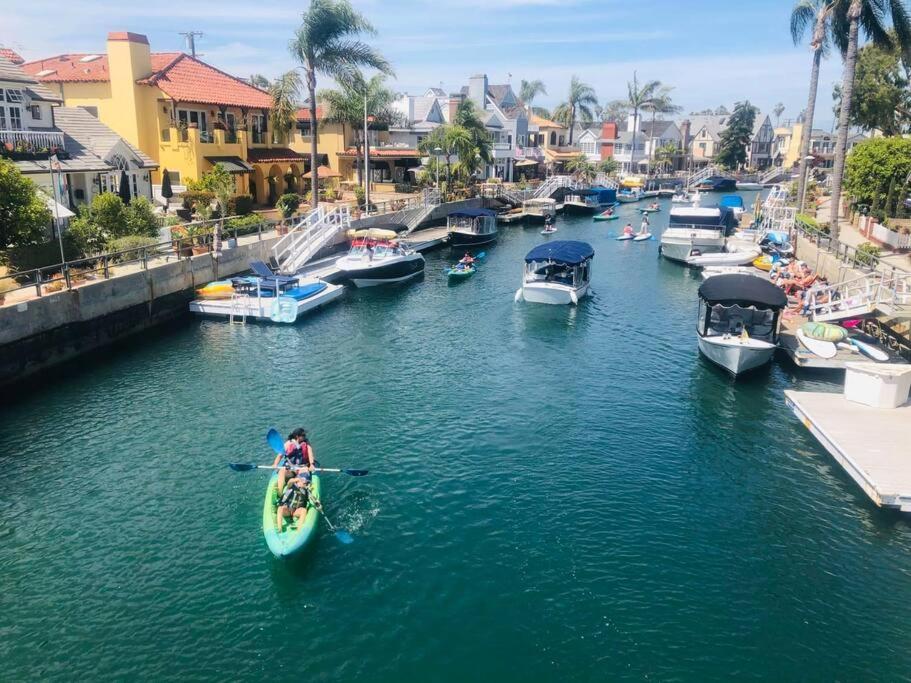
437 151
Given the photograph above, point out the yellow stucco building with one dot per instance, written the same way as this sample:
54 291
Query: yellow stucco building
182 112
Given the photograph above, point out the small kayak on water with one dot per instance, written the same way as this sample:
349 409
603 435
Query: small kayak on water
460 272
649 210
606 217
294 534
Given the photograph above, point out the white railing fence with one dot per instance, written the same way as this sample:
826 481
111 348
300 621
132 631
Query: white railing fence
309 235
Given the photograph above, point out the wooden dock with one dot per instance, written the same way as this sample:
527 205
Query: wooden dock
873 445
803 358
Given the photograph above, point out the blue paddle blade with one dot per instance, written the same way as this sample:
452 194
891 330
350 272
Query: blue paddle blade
275 441
241 466
481 254
344 537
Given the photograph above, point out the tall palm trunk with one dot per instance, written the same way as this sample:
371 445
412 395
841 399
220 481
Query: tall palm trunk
651 151
806 132
632 153
847 93
572 124
314 166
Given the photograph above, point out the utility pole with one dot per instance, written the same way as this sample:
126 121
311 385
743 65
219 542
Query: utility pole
191 37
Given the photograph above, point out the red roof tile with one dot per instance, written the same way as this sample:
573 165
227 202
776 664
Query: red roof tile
303 114
275 154
178 75
69 68
11 55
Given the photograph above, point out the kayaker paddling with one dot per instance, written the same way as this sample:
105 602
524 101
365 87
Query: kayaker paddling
294 500
298 454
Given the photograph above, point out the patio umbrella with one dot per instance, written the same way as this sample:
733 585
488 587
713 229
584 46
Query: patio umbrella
322 172
166 190
124 191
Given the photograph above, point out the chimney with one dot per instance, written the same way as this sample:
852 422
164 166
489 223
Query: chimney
631 123
608 132
129 59
455 99
477 90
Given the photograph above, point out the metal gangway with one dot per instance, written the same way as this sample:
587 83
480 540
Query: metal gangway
889 293
699 176
554 183
412 217
310 234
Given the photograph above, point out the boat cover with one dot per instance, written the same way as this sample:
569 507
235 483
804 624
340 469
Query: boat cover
306 291
472 213
735 288
583 193
735 201
569 252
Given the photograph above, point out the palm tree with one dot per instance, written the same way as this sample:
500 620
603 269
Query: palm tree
582 168
579 105
778 110
285 92
638 97
529 90
543 112
345 107
659 103
327 43
849 17
818 14
452 140
466 116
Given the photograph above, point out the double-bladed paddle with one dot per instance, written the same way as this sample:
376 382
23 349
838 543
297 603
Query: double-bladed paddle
247 466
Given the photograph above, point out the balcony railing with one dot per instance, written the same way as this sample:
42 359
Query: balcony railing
502 145
27 144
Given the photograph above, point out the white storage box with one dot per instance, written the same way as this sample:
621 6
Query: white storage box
879 385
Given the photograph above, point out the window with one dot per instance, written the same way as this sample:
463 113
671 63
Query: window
175 177
258 122
553 138
15 118
702 146
189 116
2 118
36 112
14 96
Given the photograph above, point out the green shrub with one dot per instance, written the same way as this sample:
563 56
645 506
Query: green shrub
129 242
141 218
195 198
244 225
360 195
287 204
29 257
867 253
808 220
240 205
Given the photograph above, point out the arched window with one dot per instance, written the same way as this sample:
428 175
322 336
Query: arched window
120 163
553 138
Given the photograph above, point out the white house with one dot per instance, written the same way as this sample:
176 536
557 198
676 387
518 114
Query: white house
506 121
420 115
650 137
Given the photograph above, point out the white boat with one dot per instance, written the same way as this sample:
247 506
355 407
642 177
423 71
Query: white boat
731 256
557 272
712 271
733 202
378 258
681 196
748 185
739 317
694 231
539 210
281 299
629 194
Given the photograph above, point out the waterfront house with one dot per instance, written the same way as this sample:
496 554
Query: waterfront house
759 151
650 137
786 147
551 138
183 113
506 120
587 137
704 137
91 157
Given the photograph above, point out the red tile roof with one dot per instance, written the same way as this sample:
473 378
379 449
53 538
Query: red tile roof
303 114
69 68
11 55
272 155
178 75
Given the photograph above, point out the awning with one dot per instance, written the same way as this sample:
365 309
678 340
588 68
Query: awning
734 288
231 164
323 172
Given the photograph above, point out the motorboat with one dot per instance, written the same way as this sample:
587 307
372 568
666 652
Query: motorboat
734 202
540 209
667 191
629 194
739 317
557 272
378 257
712 271
732 255
717 183
681 196
696 230
471 227
581 201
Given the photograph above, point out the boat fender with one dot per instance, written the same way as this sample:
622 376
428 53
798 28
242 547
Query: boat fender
573 297
519 294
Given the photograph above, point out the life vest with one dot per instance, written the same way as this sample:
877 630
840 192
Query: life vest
295 496
295 453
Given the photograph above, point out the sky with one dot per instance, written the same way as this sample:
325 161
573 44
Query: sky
712 52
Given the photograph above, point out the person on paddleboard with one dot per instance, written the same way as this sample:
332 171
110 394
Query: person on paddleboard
294 499
643 229
628 229
298 455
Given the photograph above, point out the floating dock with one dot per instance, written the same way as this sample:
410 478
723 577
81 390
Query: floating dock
873 445
285 309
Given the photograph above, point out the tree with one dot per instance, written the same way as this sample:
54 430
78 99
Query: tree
466 116
608 166
639 96
578 106
721 111
24 216
140 218
219 181
882 100
453 140
818 15
875 165
105 219
732 148
615 110
665 155
285 93
582 168
659 103
260 81
529 90
543 112
328 43
778 110
849 17
345 106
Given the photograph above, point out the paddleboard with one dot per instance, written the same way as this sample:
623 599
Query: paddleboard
642 238
823 349
624 237
869 350
548 232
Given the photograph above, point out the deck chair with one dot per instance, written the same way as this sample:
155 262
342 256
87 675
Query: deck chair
261 269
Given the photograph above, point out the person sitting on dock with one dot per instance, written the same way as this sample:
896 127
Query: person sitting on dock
295 497
628 229
298 456
800 282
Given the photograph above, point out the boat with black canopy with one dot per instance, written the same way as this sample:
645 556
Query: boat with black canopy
557 272
582 201
739 318
471 227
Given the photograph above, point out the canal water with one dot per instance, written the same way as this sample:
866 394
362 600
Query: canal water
555 494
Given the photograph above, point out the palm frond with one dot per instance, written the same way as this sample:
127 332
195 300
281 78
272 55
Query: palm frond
803 18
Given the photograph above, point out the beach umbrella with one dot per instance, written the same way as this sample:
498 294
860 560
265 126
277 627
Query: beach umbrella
124 191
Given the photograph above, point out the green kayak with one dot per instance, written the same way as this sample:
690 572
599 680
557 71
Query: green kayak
603 217
460 272
294 535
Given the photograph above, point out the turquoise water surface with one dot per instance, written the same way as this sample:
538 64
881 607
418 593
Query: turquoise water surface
555 494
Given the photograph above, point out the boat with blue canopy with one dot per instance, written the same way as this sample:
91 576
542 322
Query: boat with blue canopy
582 201
471 227
557 272
734 202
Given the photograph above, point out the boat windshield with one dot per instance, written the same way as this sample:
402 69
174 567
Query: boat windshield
557 273
373 249
760 323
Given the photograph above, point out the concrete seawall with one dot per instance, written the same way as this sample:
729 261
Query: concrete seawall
38 334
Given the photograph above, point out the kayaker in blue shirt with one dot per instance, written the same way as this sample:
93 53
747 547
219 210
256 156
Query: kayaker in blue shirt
294 500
